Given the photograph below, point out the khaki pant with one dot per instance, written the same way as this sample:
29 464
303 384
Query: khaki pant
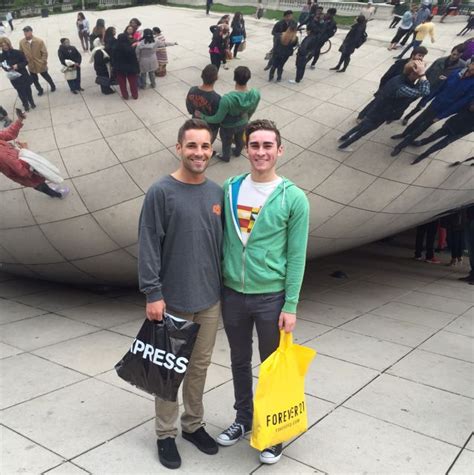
193 385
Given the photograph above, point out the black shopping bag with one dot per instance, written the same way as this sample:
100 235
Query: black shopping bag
158 358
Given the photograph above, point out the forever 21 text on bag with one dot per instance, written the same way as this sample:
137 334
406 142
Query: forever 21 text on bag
158 358
280 411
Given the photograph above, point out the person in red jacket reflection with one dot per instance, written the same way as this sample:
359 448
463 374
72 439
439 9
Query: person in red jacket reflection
15 163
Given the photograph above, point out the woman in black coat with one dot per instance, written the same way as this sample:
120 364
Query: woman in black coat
17 63
125 63
218 44
66 51
353 40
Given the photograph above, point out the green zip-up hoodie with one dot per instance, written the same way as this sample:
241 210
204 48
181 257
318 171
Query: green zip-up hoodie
275 254
235 108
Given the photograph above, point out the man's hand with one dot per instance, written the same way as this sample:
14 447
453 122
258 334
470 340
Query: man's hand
155 310
287 322
419 67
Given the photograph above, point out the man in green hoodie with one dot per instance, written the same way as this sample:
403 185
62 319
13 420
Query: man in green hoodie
264 254
234 112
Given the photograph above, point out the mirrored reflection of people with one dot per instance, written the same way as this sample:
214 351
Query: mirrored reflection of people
35 51
24 166
14 61
70 57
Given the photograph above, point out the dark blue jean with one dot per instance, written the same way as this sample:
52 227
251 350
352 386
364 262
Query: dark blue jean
240 312
75 84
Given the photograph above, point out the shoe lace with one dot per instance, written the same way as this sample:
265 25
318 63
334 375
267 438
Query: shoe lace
234 429
274 449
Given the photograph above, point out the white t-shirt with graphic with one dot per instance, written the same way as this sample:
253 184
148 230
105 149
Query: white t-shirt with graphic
252 197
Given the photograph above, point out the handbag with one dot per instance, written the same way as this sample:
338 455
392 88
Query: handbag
228 55
242 46
103 81
280 411
12 75
158 358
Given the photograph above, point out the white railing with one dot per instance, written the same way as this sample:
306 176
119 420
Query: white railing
114 3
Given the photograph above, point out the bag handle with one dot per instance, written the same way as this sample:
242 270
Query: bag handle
286 340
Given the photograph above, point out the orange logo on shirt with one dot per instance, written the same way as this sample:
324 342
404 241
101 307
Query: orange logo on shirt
216 209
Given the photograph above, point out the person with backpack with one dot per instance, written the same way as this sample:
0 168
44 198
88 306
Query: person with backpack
353 40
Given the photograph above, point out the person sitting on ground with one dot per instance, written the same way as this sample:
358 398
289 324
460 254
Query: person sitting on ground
396 69
16 163
234 112
353 40
437 73
204 99
455 128
391 102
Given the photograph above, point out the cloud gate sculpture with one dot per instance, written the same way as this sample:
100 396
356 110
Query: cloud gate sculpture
110 151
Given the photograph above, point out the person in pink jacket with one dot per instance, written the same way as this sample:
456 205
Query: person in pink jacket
18 170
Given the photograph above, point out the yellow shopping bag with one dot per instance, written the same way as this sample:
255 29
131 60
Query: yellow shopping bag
280 411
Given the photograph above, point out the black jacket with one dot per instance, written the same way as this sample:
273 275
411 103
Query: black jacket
354 39
69 52
395 70
100 64
238 29
15 56
217 40
279 27
124 59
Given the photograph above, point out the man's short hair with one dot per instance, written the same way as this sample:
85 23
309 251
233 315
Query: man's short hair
192 124
27 28
459 48
262 124
332 11
242 75
288 12
419 50
209 75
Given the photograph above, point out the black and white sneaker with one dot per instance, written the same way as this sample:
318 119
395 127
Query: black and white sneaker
232 434
272 454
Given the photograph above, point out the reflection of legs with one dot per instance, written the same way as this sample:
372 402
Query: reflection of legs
420 237
49 80
238 140
36 82
152 77
358 131
405 37
133 82
437 146
300 67
226 139
366 109
414 130
411 114
122 81
44 188
316 54
143 80
430 238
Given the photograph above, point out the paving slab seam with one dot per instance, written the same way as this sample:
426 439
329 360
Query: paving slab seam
71 459
57 466
402 427
446 356
33 441
464 447
130 391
